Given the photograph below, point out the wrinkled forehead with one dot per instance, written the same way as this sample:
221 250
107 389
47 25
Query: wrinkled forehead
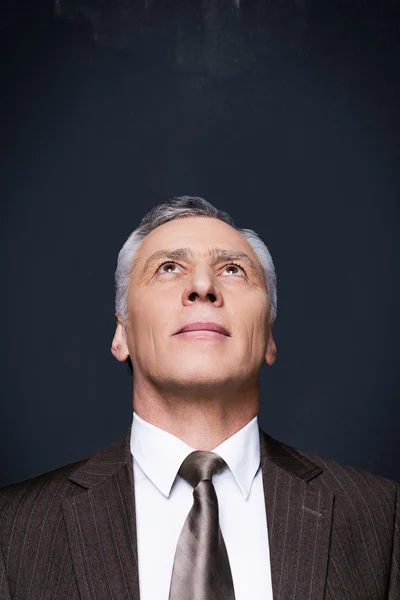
201 234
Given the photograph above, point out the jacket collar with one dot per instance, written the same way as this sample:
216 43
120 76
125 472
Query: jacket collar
105 463
100 520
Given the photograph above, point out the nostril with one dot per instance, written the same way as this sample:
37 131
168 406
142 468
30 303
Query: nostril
212 297
192 296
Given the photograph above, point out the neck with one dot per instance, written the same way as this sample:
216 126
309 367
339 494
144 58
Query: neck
203 421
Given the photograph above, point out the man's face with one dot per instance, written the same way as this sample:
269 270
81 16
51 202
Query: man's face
210 275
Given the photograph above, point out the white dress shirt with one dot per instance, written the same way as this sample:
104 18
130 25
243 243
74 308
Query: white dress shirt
163 500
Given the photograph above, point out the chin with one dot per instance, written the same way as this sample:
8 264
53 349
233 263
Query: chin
195 377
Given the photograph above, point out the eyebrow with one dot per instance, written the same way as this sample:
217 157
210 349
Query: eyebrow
216 255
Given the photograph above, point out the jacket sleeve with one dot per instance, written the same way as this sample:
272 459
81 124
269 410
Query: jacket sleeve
5 593
394 581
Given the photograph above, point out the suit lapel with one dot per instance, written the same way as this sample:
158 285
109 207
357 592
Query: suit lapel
299 516
101 525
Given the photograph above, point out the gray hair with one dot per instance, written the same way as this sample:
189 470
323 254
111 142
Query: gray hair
178 208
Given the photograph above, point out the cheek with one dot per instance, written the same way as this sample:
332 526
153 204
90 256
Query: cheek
150 315
141 308
260 330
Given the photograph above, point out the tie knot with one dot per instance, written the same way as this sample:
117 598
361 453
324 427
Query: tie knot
199 465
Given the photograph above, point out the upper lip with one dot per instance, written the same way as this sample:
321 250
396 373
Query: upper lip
203 326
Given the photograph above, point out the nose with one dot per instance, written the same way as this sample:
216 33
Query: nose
202 287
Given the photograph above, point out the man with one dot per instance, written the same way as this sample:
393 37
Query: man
196 502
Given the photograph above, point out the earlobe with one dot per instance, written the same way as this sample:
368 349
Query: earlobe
119 348
270 354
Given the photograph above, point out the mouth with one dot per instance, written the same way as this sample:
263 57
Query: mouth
212 328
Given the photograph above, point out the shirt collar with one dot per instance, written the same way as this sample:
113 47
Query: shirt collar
160 454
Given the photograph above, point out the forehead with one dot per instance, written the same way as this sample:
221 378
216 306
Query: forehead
198 233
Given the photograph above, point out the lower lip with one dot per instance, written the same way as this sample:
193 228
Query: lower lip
203 334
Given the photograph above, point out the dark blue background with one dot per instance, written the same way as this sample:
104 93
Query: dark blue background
286 115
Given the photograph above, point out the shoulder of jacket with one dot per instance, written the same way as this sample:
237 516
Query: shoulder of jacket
27 491
350 481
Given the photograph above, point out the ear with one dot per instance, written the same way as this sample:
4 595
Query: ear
270 353
119 346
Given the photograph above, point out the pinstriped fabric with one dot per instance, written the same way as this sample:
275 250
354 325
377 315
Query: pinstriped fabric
71 533
102 536
364 548
30 525
299 522
35 546
347 515
5 592
394 580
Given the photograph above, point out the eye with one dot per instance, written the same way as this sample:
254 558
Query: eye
167 267
235 269
171 267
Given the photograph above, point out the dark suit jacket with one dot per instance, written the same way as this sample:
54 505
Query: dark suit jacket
71 533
